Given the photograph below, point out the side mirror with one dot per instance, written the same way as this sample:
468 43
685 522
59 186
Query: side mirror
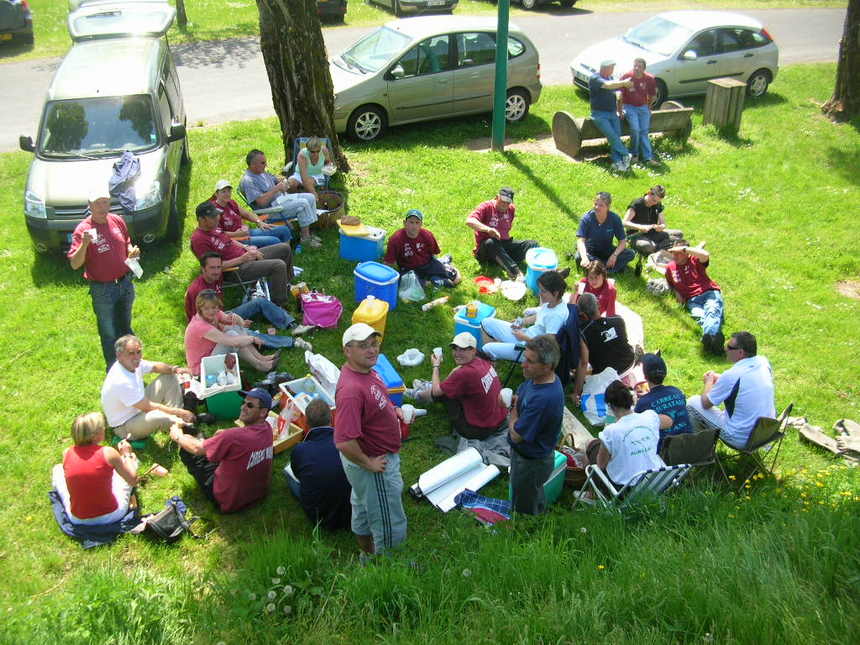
177 132
689 55
26 144
396 72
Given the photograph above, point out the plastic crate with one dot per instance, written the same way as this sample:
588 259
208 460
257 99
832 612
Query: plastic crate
295 396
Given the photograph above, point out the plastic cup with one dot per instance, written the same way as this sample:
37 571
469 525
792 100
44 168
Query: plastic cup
507 396
408 413
438 352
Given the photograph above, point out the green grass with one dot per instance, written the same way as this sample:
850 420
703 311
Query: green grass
778 563
222 19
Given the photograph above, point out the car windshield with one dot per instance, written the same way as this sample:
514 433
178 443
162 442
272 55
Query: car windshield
373 52
658 35
97 126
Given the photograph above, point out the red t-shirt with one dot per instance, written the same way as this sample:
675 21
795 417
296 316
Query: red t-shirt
105 258
487 214
230 218
89 478
407 253
194 289
476 386
244 458
205 241
690 279
365 413
643 90
197 346
605 295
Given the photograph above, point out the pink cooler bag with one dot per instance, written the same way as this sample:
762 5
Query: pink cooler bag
320 309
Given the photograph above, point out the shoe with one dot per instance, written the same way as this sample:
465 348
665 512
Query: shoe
301 343
625 162
311 242
300 330
190 402
317 238
718 343
445 259
653 163
634 159
206 418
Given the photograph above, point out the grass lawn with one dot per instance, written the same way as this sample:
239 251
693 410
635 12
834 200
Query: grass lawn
222 19
777 563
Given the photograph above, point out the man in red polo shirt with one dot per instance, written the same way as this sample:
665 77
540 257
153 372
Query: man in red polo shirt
636 103
101 244
492 222
274 262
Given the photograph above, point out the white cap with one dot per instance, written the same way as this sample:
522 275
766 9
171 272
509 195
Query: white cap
358 331
464 340
222 184
97 192
607 62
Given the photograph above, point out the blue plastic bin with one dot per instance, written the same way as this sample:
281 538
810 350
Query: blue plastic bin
473 325
359 249
377 280
539 260
393 380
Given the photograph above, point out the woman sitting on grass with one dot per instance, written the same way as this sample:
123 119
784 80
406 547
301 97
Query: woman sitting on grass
597 281
503 340
95 482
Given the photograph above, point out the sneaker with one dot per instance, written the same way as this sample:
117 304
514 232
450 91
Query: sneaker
653 163
317 238
301 343
311 242
300 330
206 418
445 259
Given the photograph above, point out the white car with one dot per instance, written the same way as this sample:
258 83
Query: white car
685 49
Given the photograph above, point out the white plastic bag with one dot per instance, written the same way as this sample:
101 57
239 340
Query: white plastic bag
325 372
592 401
410 289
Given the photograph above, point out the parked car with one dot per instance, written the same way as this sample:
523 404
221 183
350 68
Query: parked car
685 49
111 93
534 4
402 7
331 9
429 68
16 21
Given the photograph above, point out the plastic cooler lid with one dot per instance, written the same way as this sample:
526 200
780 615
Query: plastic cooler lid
541 258
376 272
386 370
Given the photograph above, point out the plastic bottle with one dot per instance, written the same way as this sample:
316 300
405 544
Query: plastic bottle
427 306
298 249
472 309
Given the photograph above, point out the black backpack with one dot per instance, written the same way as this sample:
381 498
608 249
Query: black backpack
169 524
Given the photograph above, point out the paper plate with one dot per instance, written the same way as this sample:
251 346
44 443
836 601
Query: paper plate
513 290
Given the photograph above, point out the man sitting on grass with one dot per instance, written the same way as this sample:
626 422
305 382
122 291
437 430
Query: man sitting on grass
492 221
412 249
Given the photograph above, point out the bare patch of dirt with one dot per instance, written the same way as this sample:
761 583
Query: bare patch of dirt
543 145
849 288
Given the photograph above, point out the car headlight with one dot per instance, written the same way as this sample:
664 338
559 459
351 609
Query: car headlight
151 198
34 206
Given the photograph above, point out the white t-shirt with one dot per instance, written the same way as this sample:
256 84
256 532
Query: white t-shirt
548 320
632 443
121 390
752 399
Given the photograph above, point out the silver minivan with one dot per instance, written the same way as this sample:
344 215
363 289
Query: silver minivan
116 90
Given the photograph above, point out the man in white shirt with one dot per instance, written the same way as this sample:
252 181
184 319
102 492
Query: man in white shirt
132 410
745 390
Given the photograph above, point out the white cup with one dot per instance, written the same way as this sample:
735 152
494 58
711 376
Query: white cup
507 395
438 352
408 413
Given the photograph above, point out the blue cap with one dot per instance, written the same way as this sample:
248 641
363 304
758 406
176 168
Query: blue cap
414 212
261 395
653 365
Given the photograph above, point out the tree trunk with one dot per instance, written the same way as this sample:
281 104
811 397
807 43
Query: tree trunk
845 102
295 57
181 17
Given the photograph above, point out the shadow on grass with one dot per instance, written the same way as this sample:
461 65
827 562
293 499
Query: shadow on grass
15 48
845 162
535 179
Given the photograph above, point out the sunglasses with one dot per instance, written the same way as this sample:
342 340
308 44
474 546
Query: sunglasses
248 404
731 347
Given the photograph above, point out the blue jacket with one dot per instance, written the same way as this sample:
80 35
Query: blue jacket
325 489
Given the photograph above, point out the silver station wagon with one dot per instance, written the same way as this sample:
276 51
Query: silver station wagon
429 68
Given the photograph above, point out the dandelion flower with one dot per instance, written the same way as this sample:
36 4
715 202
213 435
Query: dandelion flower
600 567
280 571
288 610
276 581
583 530
270 608
467 573
252 596
271 595
288 590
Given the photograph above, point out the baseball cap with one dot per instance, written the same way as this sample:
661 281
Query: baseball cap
97 192
653 365
260 394
464 340
414 212
222 184
607 62
506 194
206 209
359 332
679 245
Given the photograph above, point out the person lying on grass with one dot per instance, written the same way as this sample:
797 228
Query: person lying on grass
412 249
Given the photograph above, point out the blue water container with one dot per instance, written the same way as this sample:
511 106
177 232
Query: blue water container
463 322
539 261
377 280
393 380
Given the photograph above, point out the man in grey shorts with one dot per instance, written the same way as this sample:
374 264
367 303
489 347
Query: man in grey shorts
367 434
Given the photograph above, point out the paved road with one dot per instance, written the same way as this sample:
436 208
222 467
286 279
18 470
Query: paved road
206 69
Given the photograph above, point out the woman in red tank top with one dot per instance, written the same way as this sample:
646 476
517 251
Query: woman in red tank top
95 481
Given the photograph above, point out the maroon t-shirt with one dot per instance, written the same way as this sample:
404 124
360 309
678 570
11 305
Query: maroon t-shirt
487 214
476 386
407 253
690 279
643 89
194 289
605 295
105 258
230 218
244 458
205 241
365 413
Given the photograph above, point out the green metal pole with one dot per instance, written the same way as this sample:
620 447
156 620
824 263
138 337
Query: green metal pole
500 91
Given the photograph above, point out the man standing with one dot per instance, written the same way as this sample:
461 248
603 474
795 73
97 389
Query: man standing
132 410
492 221
687 275
367 435
635 101
262 189
274 262
745 390
604 111
233 467
667 401
101 244
534 424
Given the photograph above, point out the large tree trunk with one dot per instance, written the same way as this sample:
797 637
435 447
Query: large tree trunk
294 53
181 17
845 102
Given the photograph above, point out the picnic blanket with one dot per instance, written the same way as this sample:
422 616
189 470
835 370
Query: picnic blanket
487 510
89 535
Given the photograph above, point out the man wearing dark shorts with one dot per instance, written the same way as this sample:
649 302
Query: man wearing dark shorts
413 248
492 222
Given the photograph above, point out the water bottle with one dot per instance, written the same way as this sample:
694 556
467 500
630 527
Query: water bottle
427 306
298 249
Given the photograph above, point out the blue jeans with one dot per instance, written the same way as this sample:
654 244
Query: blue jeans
610 126
624 258
301 206
112 304
273 342
275 235
267 309
639 120
707 309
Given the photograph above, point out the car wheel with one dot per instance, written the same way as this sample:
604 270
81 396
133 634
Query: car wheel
516 106
758 82
186 152
662 94
567 4
366 123
174 224
528 4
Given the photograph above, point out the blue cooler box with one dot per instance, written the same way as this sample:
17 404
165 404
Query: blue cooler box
473 325
377 280
553 486
359 249
392 379
539 260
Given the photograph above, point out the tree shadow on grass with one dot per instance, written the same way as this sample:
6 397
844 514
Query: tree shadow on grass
195 54
845 162
535 179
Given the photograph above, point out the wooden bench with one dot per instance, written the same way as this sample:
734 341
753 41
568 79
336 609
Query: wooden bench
571 134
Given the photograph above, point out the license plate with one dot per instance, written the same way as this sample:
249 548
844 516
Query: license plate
5 36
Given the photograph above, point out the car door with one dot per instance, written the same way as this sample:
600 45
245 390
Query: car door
420 83
694 72
740 49
474 76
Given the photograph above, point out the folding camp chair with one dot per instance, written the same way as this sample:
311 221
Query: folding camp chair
255 287
263 213
298 144
568 342
766 435
650 483
695 448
